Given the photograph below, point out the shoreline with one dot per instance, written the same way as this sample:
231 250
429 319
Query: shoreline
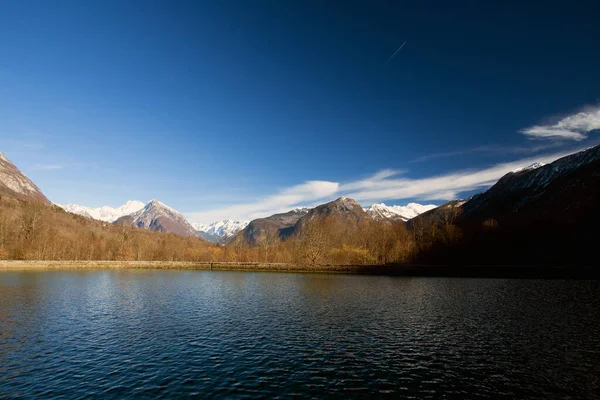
521 272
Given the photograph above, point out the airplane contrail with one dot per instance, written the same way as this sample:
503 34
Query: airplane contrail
396 52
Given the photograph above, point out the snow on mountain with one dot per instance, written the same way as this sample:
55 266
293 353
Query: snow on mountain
157 216
220 230
105 213
301 210
535 165
403 213
541 176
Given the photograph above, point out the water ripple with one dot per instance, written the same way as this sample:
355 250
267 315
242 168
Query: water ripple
172 334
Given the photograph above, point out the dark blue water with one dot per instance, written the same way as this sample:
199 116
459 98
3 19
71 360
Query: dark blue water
170 334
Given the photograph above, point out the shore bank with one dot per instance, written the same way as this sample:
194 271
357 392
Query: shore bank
524 272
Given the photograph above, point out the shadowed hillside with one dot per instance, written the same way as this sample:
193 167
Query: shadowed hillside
543 216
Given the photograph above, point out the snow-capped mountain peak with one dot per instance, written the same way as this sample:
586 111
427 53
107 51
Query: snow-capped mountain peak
105 213
404 213
157 216
220 230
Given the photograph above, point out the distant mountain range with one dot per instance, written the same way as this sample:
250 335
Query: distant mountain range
220 231
105 213
544 214
401 213
132 213
344 209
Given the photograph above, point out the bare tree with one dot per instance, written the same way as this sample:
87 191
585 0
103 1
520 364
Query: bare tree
313 241
267 239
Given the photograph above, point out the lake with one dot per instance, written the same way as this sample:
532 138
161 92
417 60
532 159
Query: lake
169 334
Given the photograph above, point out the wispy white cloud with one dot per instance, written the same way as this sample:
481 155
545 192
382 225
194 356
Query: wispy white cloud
18 146
284 200
573 127
387 184
371 181
47 167
52 167
440 187
489 150
453 153
34 146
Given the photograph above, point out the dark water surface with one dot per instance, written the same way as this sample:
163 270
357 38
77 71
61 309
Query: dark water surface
157 334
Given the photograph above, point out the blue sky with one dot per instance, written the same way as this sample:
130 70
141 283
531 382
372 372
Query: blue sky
243 108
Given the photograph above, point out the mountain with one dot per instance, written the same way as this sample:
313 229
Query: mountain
553 190
105 213
381 212
344 212
447 211
157 216
220 231
544 215
342 207
14 183
281 224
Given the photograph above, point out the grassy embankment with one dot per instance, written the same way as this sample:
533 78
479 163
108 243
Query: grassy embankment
527 272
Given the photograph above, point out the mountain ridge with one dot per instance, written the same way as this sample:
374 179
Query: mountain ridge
380 211
220 230
157 216
15 183
105 213
547 215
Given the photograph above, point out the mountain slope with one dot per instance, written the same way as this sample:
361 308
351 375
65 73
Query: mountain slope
547 215
522 192
344 213
342 207
381 212
14 183
105 213
279 224
220 231
159 217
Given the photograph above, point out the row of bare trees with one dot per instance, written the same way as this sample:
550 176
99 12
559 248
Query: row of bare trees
30 230
335 241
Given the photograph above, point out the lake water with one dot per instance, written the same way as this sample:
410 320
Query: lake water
150 334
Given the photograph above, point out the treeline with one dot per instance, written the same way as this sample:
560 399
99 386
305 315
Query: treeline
33 231
30 230
332 241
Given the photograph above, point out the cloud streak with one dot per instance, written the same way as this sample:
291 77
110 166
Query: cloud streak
283 201
573 127
46 167
487 150
396 52
387 184
440 187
